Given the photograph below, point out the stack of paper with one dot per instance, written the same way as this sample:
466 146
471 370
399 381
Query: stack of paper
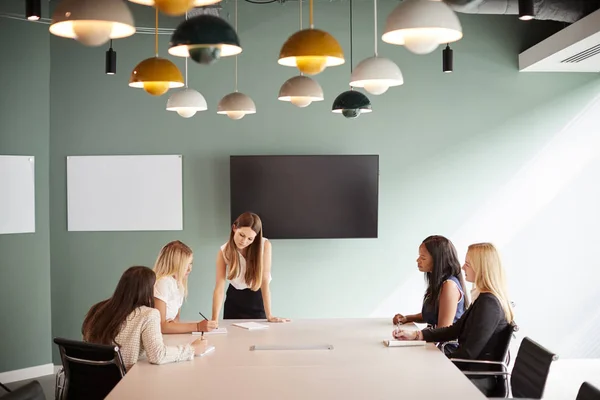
213 332
250 325
403 343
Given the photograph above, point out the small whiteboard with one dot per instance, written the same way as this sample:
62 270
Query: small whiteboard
17 194
125 193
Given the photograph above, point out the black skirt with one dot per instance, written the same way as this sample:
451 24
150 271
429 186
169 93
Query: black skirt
243 304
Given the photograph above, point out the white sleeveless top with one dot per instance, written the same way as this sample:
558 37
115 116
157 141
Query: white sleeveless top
239 282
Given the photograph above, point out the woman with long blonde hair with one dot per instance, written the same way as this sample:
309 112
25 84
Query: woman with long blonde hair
481 329
245 261
172 268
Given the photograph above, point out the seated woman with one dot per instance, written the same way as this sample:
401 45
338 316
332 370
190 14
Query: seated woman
445 300
129 320
480 331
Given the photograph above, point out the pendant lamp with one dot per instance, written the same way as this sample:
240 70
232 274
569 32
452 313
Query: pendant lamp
300 90
236 105
311 50
33 10
205 38
186 102
156 75
110 64
376 74
175 7
422 25
92 22
351 103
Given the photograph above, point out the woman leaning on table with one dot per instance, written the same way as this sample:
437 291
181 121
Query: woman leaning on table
245 261
481 329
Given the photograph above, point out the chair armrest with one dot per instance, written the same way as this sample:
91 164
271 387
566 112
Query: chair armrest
477 361
486 373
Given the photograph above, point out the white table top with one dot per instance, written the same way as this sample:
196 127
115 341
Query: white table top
358 367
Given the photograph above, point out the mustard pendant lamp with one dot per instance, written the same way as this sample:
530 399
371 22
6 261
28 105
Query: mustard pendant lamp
92 22
236 104
351 104
175 7
156 75
300 90
311 50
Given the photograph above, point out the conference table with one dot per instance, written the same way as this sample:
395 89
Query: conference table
303 359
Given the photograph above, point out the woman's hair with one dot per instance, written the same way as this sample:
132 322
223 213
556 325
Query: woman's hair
254 254
445 265
173 260
104 320
489 274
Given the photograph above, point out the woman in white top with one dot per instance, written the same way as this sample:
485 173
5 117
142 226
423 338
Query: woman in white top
172 268
245 260
129 320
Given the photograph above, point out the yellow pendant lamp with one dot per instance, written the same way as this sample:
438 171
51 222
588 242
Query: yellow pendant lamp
175 7
156 75
311 50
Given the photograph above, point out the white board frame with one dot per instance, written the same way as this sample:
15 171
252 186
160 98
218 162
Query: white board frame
125 193
17 194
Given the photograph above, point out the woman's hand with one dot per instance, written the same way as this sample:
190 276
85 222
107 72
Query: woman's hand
207 326
399 319
277 319
401 334
200 345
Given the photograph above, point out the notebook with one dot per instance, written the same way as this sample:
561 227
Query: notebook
250 325
403 343
213 332
208 350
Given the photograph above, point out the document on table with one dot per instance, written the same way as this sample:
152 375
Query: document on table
250 325
403 343
213 332
208 350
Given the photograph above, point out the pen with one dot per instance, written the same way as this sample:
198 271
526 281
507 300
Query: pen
202 335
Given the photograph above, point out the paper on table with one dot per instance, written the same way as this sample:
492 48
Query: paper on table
209 349
250 325
403 343
213 332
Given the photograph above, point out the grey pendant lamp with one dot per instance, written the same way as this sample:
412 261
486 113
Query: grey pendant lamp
351 104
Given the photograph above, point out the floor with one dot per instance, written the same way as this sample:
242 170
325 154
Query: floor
563 382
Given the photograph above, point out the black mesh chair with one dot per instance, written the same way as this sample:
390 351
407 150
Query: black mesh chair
588 392
496 362
530 373
31 391
90 371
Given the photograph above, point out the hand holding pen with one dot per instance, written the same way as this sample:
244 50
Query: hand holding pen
206 325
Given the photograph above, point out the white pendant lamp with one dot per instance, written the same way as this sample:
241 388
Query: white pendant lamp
92 22
422 25
186 102
300 90
376 74
236 105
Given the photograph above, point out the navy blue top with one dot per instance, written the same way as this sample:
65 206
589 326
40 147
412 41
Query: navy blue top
430 314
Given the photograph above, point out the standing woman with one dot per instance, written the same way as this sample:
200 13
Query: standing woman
445 300
244 261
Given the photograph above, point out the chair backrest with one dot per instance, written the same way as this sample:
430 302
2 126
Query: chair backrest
504 342
588 392
91 370
530 372
31 391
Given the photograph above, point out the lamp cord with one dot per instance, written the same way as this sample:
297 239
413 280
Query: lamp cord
156 33
375 19
186 61
236 57
300 3
310 14
351 69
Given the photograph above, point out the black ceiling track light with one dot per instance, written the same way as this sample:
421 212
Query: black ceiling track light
526 10
111 61
33 9
448 59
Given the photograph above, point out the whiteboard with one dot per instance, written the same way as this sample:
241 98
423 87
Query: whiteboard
125 193
17 194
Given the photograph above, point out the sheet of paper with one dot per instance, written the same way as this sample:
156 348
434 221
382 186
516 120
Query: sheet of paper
403 343
251 325
217 331
208 350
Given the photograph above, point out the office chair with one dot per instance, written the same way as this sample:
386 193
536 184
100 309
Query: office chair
31 391
588 392
90 371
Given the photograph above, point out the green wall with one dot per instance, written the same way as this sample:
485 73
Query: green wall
24 130
446 143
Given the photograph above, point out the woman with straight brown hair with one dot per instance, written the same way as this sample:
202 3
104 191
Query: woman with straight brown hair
129 320
244 261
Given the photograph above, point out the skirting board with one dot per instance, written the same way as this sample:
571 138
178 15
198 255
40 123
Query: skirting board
27 373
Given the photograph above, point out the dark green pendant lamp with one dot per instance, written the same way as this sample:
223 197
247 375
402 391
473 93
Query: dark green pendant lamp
351 103
205 39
